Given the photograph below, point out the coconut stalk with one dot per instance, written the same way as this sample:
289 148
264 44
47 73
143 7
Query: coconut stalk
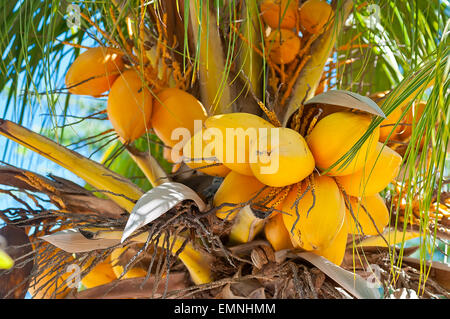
250 62
246 226
309 77
148 165
132 288
61 192
119 189
214 89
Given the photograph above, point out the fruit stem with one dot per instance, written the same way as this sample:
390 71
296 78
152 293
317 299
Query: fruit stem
149 166
246 226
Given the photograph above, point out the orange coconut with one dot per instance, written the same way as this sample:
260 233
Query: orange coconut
277 234
282 157
94 71
280 14
412 117
370 212
101 274
321 215
130 106
388 124
381 168
234 131
175 108
283 46
334 135
200 155
335 252
235 189
314 14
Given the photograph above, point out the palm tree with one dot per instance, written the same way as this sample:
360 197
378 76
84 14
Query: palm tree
386 61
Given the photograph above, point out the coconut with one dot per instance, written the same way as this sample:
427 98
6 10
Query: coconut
370 212
388 124
235 189
282 157
130 106
176 109
280 14
277 234
283 46
381 168
94 71
200 155
121 256
314 14
321 213
241 127
101 274
412 117
335 252
334 135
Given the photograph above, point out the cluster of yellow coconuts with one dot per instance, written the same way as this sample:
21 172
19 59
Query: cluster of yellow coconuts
284 19
324 218
307 209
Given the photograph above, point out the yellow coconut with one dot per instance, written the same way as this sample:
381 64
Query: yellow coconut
335 252
235 189
130 106
94 71
101 274
283 46
381 168
370 212
282 157
120 257
280 13
200 155
176 109
234 131
334 135
277 234
321 215
314 14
